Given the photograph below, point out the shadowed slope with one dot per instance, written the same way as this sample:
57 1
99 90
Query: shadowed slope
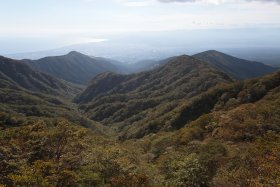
73 67
235 67
18 74
133 100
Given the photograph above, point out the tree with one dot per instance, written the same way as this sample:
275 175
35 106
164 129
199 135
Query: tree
187 171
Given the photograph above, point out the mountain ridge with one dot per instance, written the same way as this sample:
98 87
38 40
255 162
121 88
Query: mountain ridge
185 117
73 67
235 67
23 76
119 99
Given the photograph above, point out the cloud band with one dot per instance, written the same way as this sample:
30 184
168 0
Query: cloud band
189 1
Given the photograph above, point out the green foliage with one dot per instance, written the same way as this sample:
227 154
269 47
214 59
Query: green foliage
186 171
185 134
146 102
55 152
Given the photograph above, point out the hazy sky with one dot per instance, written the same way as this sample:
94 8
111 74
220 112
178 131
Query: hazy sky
27 25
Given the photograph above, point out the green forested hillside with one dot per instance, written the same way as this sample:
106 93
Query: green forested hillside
26 92
73 67
235 67
136 103
183 124
236 144
16 74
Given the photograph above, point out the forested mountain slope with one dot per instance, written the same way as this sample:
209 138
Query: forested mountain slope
235 67
18 74
26 92
134 101
193 126
236 144
73 67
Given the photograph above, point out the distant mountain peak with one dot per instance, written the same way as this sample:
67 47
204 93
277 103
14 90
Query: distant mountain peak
22 75
235 67
74 53
213 52
73 67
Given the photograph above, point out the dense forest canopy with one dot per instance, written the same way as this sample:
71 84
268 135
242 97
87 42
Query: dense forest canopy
183 123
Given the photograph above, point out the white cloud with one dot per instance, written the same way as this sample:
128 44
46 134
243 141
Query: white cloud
217 1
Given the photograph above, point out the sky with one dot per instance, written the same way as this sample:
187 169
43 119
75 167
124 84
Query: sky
33 25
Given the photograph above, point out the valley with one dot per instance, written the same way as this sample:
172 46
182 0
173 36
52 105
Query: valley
204 120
